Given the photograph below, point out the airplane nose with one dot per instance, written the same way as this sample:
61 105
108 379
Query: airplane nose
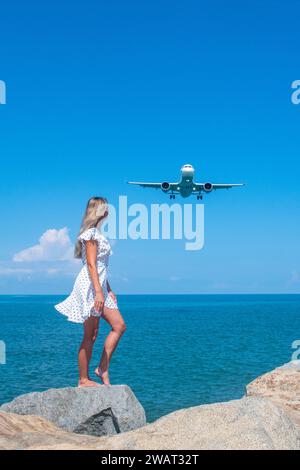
187 169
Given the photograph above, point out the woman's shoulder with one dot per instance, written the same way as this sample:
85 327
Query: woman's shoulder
90 234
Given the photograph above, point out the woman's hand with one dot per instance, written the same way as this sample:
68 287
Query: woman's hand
99 301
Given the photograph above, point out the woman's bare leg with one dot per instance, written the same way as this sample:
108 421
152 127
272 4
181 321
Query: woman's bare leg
115 320
85 351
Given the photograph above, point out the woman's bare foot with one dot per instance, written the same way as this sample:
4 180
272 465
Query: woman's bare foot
87 383
103 375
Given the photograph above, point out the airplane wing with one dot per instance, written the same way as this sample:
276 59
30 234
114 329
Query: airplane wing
211 186
171 186
145 185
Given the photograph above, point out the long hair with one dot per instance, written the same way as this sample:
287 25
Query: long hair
94 212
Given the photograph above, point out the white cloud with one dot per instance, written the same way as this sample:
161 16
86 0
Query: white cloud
4 271
52 271
54 245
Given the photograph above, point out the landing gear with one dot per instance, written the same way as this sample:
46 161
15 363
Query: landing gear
200 197
172 196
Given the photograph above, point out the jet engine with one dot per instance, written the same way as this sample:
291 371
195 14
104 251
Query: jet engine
208 187
165 186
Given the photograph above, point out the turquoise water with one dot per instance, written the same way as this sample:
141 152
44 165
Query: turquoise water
177 351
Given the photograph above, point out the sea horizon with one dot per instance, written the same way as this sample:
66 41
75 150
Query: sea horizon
170 294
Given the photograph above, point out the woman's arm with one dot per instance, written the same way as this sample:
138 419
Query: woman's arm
91 261
110 291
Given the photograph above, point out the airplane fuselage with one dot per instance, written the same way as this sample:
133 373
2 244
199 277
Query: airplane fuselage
186 184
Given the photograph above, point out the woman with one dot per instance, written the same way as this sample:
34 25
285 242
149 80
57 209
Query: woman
92 296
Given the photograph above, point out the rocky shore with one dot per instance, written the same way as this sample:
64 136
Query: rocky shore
107 418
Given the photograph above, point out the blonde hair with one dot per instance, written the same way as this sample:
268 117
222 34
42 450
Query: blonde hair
94 213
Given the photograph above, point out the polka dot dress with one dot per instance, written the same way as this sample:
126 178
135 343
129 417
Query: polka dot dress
80 304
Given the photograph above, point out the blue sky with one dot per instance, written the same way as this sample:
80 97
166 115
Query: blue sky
99 93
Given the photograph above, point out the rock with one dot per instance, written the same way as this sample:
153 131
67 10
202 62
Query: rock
249 423
282 387
32 432
95 410
267 418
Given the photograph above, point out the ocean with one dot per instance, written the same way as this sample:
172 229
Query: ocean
178 350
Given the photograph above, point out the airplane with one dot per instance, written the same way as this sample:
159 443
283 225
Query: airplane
186 186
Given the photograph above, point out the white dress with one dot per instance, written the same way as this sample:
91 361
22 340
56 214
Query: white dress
80 303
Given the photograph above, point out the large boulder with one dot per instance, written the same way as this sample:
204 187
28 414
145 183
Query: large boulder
249 423
282 387
32 432
97 411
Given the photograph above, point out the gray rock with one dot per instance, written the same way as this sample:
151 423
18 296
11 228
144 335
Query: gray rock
103 424
249 423
95 411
